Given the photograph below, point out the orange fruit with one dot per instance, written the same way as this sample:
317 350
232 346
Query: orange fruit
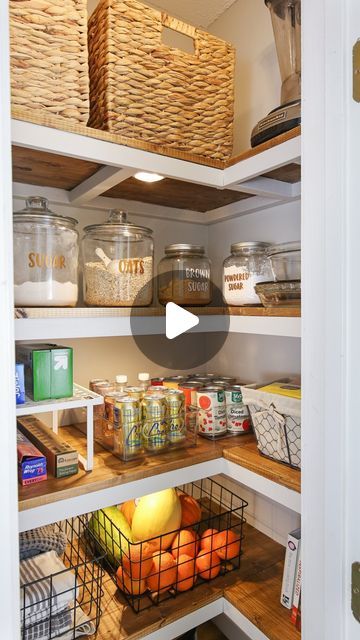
208 564
227 544
131 587
184 543
139 561
163 572
128 508
186 573
208 540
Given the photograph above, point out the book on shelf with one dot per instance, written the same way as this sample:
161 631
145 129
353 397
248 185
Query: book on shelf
290 566
297 590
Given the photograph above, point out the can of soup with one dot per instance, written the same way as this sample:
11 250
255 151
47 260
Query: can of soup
211 411
237 414
157 382
155 422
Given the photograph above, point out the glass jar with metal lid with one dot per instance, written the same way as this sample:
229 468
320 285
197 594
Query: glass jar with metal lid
184 275
46 252
118 263
247 265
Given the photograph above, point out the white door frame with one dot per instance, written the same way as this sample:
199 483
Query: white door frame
352 513
330 220
9 583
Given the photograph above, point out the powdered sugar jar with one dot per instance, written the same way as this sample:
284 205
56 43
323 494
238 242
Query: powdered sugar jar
46 251
247 265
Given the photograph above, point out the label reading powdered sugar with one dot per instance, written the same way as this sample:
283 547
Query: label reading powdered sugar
239 286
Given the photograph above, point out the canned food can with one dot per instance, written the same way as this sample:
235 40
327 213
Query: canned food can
135 392
229 379
109 406
155 389
128 426
155 422
211 413
237 413
103 388
96 381
190 390
173 382
176 415
219 382
157 382
203 381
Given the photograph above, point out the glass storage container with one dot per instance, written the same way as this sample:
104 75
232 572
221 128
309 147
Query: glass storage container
46 256
247 265
118 263
285 260
184 275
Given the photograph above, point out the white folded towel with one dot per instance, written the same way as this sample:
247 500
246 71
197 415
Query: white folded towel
46 587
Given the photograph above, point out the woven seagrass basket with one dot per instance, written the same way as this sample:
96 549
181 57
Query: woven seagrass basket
49 57
145 90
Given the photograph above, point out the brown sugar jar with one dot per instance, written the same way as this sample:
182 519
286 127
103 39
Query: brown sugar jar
184 275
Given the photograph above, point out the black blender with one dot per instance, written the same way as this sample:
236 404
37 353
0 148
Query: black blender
286 22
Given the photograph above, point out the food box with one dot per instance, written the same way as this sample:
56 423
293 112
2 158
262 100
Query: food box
31 462
276 420
62 458
48 370
19 383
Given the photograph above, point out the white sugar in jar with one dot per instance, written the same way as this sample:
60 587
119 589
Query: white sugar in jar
247 265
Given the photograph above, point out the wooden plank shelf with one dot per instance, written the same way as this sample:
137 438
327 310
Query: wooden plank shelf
110 471
63 124
247 455
258 579
156 311
112 480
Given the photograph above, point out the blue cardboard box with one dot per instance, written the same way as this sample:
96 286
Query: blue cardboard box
19 383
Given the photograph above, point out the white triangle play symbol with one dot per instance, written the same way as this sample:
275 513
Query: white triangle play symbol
178 320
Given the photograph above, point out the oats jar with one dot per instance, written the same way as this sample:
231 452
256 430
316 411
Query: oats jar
46 252
247 265
185 275
118 263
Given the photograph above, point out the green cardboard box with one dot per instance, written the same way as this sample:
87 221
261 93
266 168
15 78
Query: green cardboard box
48 370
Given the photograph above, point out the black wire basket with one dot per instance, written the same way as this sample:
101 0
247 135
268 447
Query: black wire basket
68 601
147 576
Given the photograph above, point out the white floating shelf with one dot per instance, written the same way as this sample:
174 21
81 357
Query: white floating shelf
82 397
61 324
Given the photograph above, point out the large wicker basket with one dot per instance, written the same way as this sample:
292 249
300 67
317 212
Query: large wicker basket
144 90
49 58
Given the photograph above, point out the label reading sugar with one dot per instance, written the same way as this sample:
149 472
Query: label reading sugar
239 286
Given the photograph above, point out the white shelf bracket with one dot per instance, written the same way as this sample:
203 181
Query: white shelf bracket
104 179
265 188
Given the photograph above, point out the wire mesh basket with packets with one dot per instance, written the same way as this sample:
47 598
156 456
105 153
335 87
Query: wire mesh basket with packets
275 411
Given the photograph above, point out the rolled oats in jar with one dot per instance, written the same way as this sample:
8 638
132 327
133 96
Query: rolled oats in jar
118 263
247 265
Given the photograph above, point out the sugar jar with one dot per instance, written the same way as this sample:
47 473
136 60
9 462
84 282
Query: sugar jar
247 265
46 255
184 275
118 263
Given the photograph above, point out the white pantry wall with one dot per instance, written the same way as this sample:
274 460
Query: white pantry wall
247 25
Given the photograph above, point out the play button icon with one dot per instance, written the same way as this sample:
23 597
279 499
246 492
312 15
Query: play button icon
163 334
178 320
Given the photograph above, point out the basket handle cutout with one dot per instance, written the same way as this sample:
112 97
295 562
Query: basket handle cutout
178 35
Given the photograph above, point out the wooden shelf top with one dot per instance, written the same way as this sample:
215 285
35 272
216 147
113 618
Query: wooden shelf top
247 455
258 579
110 471
153 311
63 124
